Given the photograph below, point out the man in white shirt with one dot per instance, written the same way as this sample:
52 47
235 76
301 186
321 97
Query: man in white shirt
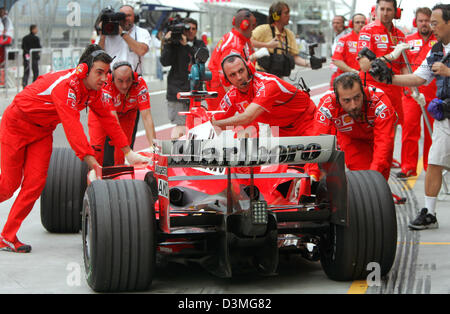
435 66
132 42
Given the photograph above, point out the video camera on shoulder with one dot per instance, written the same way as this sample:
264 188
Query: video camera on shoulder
110 21
177 27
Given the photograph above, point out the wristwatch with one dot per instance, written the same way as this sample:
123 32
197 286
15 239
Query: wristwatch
123 33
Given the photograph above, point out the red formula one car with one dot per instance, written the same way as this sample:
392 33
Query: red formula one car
224 202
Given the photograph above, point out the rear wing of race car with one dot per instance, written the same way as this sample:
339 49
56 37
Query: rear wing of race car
252 152
248 152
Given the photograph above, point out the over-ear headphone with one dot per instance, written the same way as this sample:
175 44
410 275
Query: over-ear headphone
276 16
245 24
250 67
398 14
83 68
118 64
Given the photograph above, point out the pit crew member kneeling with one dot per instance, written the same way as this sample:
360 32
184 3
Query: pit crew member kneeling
124 93
364 120
26 134
265 98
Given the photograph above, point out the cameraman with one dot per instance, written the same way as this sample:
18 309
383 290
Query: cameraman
279 16
131 43
178 52
435 66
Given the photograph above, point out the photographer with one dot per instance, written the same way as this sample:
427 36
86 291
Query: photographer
287 45
179 47
131 41
436 66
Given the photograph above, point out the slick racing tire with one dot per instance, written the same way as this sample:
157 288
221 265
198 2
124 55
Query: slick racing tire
62 197
371 234
119 236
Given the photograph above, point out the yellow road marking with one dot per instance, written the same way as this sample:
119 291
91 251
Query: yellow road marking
425 243
360 286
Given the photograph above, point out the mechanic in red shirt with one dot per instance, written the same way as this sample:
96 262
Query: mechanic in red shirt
262 97
125 93
387 42
26 133
346 52
420 43
364 120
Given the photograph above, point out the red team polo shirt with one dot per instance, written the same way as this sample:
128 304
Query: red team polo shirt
284 105
126 107
137 97
367 145
233 41
380 41
347 51
58 97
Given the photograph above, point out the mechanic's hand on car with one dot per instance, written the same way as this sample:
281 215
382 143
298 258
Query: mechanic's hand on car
134 158
399 49
91 161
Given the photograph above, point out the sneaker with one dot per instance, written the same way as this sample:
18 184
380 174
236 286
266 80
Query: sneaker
407 174
424 221
16 246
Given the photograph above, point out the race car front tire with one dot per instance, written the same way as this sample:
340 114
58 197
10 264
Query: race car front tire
119 237
370 237
62 197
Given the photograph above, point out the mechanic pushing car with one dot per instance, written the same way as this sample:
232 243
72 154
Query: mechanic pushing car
26 134
262 97
125 93
364 120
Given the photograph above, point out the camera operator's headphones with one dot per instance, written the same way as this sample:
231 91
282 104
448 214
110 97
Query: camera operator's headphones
356 79
276 16
136 15
118 64
83 68
245 24
250 67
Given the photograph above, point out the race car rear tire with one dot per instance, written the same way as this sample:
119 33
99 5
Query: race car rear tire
119 237
371 235
62 197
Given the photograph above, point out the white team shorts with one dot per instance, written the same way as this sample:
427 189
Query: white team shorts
440 149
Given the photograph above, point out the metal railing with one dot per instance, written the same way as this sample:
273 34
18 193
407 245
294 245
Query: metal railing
56 59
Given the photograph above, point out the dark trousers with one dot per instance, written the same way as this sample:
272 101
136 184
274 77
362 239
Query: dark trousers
108 155
26 70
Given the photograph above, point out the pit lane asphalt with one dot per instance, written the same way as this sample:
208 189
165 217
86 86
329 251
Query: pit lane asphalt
55 265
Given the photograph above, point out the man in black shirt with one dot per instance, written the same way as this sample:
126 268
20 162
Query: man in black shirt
179 54
30 41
